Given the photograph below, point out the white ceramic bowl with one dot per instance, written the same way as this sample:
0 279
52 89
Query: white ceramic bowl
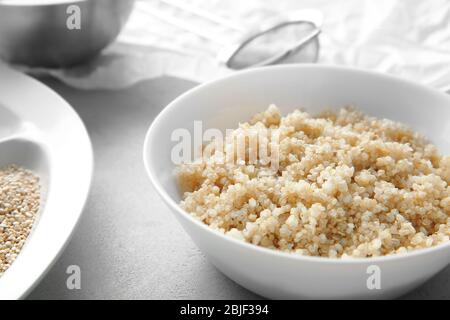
224 103
40 131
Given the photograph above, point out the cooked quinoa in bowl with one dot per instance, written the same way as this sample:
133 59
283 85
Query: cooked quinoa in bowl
344 185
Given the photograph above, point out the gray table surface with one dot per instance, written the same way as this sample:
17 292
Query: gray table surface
128 245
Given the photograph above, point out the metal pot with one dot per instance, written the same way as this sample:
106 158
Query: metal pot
45 32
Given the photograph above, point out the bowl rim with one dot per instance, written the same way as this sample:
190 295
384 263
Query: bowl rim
149 138
32 4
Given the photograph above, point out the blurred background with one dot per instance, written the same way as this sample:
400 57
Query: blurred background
410 38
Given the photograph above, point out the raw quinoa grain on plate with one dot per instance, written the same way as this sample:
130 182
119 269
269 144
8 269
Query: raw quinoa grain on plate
19 205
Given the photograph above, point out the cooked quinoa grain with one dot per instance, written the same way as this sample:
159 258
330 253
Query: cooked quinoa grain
19 204
346 185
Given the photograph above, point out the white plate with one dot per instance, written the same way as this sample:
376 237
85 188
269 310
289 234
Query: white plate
40 131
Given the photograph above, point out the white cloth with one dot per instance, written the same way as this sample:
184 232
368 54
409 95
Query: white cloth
409 38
